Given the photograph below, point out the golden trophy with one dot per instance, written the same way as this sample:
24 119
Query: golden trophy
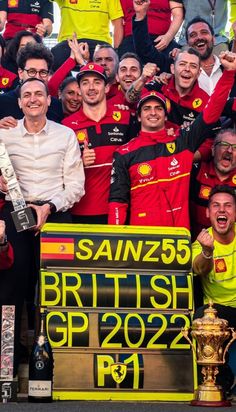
210 333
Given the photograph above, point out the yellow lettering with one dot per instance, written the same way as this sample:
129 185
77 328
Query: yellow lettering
116 277
50 294
72 329
188 290
95 290
118 250
154 246
83 248
52 330
138 291
104 250
130 248
104 363
168 246
71 289
160 290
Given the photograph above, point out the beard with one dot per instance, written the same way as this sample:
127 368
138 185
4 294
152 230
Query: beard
207 53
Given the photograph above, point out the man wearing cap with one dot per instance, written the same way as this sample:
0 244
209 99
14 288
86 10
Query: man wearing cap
151 173
100 127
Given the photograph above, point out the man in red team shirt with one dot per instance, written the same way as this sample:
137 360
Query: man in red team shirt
100 127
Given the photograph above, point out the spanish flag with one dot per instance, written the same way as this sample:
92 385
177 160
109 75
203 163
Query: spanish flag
58 248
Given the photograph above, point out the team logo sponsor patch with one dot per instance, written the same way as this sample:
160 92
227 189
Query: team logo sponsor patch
168 105
204 192
116 116
91 66
144 169
197 103
220 265
73 1
82 135
13 3
171 147
234 179
118 372
5 81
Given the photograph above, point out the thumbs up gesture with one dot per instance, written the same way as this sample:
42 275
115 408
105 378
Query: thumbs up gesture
89 155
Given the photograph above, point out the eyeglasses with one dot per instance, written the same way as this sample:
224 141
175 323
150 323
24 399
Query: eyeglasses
226 145
33 73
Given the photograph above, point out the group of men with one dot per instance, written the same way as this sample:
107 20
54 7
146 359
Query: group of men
118 179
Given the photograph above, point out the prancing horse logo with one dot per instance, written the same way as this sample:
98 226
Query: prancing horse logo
118 371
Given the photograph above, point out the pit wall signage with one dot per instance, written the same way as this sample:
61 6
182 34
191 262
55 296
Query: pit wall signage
117 298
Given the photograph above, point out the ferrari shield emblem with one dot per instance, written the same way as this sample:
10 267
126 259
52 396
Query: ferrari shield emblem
118 372
5 81
170 147
116 116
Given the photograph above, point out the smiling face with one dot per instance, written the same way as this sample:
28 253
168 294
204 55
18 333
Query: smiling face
201 39
186 71
92 89
34 100
224 156
152 116
222 213
129 71
70 98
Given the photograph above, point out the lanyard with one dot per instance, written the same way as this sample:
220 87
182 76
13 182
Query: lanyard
212 4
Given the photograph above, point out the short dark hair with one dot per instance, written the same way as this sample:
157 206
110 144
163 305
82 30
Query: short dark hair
221 134
107 46
66 81
222 189
189 50
198 19
34 51
13 45
131 55
29 80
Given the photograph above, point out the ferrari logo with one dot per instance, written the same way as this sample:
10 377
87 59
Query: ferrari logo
116 116
91 66
197 103
5 81
171 147
118 372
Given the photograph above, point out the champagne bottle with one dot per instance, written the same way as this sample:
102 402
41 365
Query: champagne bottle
41 367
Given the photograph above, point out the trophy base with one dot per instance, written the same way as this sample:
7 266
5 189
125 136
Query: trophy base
210 395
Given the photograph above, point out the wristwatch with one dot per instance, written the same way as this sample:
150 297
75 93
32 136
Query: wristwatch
53 208
4 243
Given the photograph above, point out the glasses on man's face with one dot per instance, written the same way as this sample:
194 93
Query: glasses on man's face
226 145
33 73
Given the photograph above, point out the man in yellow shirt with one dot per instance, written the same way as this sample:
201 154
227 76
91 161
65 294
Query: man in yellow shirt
90 20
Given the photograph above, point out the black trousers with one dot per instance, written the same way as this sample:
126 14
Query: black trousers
18 283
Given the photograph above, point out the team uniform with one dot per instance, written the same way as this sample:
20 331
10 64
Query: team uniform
8 80
203 179
105 136
25 15
220 284
151 173
89 19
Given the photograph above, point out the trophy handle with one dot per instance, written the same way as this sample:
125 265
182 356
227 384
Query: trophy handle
185 334
229 343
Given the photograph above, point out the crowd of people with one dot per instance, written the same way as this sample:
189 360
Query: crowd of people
139 132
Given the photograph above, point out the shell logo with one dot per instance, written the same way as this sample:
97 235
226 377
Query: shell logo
12 3
205 191
168 105
81 136
234 179
144 169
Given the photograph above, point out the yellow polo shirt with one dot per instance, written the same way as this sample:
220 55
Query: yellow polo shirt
220 284
89 19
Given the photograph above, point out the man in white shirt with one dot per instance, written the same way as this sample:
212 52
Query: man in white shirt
47 162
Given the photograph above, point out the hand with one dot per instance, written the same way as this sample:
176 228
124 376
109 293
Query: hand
163 78
42 213
2 231
162 42
206 241
174 53
76 50
3 185
228 60
149 70
84 50
122 107
41 29
89 155
141 8
8 122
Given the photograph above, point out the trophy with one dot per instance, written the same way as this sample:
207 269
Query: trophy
22 215
210 333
